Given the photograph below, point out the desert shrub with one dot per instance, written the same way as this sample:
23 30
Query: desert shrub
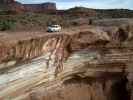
75 23
90 22
51 23
122 34
6 25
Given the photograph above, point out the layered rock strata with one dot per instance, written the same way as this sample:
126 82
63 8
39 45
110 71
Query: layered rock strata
12 6
85 64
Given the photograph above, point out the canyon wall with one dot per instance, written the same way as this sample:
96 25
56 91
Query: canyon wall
17 7
89 64
6 1
40 7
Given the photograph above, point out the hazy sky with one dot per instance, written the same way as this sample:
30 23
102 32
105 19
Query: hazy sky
102 4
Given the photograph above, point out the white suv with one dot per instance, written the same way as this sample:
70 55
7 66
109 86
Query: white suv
54 28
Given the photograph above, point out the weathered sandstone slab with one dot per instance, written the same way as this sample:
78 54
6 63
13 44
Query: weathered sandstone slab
86 64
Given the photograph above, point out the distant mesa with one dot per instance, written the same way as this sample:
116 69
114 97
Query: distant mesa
14 6
6 1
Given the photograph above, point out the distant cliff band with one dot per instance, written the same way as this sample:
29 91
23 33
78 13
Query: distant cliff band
14 6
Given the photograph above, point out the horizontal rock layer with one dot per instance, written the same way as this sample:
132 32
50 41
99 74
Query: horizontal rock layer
90 64
17 7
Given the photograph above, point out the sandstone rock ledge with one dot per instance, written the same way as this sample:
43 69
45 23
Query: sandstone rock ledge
77 65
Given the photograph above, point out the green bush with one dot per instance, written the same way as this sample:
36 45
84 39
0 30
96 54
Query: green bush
6 25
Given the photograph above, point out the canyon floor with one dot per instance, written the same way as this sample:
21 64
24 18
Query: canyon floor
88 62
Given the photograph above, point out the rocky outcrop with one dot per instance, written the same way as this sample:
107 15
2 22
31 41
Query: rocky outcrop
16 7
7 1
86 64
27 49
78 12
40 7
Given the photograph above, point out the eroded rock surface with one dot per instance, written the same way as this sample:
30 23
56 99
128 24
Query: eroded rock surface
17 7
82 65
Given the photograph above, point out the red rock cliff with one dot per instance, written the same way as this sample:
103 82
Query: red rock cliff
13 6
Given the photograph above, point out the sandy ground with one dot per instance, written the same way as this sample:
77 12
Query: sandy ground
25 35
